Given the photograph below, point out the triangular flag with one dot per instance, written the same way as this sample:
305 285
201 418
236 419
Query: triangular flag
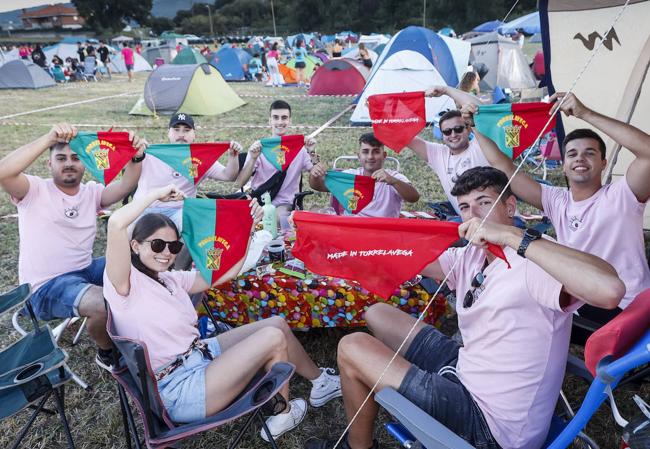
379 253
353 192
216 233
282 150
397 118
513 127
104 154
191 160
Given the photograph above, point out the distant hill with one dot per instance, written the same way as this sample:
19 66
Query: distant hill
169 8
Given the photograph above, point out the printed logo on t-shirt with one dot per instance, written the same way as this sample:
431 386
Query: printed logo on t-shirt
461 167
72 212
575 223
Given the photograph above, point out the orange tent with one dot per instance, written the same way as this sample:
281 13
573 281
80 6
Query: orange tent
288 74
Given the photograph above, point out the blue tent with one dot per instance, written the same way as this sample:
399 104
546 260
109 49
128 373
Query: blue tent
528 23
232 63
447 31
488 27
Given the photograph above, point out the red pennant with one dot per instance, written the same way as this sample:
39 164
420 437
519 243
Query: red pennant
119 151
379 253
397 118
204 155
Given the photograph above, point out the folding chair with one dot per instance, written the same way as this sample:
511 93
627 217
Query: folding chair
32 369
57 73
134 377
90 67
608 358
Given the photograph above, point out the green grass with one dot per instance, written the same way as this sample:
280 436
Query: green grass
94 415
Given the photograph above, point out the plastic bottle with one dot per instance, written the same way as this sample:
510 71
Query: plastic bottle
270 220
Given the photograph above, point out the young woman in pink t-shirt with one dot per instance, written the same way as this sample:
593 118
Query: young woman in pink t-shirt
152 304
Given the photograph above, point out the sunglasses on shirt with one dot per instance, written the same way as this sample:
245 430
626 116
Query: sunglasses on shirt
456 129
469 299
158 245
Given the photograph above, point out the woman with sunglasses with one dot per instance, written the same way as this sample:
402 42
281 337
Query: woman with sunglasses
195 378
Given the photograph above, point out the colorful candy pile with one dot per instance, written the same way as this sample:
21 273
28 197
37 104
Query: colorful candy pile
312 302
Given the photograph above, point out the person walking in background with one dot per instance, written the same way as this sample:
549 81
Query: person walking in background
127 54
300 53
272 61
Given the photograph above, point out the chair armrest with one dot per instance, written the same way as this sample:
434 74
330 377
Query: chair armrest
225 196
424 427
299 198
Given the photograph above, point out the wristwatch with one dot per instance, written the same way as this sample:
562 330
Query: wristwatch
137 159
530 235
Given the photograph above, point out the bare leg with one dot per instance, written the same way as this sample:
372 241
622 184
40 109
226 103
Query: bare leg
305 366
390 326
361 359
228 374
92 307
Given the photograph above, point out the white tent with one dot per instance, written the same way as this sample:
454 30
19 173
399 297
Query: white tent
372 40
62 50
617 82
506 63
353 53
6 56
117 63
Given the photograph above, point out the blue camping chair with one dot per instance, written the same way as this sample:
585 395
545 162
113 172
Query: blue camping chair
413 424
32 369
57 73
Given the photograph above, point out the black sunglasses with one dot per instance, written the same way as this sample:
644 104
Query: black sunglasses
469 299
456 129
158 245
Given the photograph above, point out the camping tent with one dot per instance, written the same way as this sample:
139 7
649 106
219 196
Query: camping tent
506 63
415 59
6 56
339 77
196 89
189 55
353 53
22 74
232 63
63 50
372 40
617 82
488 27
528 23
117 63
166 52
311 62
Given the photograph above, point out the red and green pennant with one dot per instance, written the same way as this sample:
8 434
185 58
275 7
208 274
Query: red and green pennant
397 118
353 192
104 154
282 150
191 160
379 253
513 127
216 233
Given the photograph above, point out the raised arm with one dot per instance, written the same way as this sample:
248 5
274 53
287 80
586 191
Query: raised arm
12 179
622 133
118 245
232 167
460 97
200 285
583 275
246 172
118 190
523 186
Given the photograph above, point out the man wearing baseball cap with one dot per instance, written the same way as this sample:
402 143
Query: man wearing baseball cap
156 173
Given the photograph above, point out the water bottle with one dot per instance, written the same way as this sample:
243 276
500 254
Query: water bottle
269 221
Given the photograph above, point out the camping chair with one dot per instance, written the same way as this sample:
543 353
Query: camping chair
90 67
32 369
135 378
57 73
618 348
334 203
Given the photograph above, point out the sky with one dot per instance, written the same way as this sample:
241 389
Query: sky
10 5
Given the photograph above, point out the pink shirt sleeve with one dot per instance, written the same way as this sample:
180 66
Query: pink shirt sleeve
216 171
35 185
96 189
554 199
446 261
435 156
546 290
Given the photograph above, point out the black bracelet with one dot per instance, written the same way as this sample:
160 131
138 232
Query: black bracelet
137 160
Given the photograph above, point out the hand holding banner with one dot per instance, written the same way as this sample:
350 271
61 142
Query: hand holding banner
353 192
282 150
104 154
397 118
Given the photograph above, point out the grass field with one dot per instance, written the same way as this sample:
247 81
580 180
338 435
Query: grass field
94 415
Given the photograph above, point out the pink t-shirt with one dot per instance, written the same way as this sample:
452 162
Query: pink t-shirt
161 317
516 341
273 54
386 201
264 170
449 166
156 173
609 225
57 231
127 53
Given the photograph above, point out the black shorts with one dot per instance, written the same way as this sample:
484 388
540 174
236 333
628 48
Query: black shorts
300 65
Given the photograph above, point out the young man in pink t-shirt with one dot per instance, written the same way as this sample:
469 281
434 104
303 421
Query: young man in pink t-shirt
604 220
259 170
129 62
57 226
391 188
499 390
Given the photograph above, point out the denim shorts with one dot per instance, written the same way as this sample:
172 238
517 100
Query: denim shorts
432 385
59 297
183 390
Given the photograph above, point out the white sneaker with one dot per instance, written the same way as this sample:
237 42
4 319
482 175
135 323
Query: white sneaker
284 422
325 388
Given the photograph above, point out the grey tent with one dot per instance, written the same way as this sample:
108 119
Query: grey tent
22 74
165 52
506 63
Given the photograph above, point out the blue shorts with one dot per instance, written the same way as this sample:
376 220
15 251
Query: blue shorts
183 390
432 385
60 297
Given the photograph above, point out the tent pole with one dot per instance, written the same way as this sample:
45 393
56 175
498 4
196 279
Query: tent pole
424 13
275 32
